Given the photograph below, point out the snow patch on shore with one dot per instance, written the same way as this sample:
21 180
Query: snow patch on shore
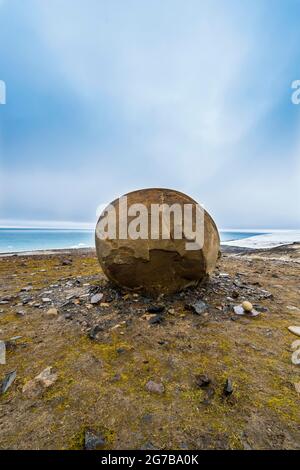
267 240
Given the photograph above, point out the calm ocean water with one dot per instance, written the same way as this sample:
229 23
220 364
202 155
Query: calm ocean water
13 240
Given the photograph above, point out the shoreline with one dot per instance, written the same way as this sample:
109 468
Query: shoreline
226 247
268 240
47 252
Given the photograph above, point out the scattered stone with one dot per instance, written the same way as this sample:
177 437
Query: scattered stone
46 300
15 338
148 418
156 319
162 342
94 331
296 357
26 288
210 393
11 344
295 330
121 350
26 300
116 378
239 310
294 309
36 386
7 298
202 380
2 353
148 446
7 382
261 308
239 284
154 387
20 313
93 440
266 294
247 306
198 307
52 312
66 262
228 388
156 309
297 387
295 344
95 299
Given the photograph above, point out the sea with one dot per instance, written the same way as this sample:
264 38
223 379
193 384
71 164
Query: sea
30 239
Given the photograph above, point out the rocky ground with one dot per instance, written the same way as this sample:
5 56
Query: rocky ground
86 365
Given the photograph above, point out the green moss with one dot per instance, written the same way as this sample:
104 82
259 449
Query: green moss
77 442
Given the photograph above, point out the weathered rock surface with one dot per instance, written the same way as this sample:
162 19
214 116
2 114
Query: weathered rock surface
157 265
35 387
93 440
7 382
295 330
96 298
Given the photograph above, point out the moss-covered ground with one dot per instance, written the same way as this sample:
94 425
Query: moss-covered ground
101 384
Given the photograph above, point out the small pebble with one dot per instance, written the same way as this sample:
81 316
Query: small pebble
228 388
202 380
7 382
295 344
247 306
66 262
156 319
154 387
156 309
296 357
95 299
295 330
26 289
35 387
198 307
20 313
52 312
93 440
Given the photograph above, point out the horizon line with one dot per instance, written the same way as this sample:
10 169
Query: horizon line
71 225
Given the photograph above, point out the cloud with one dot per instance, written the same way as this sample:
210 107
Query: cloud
167 94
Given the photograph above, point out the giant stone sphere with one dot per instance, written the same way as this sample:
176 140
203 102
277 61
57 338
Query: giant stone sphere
156 266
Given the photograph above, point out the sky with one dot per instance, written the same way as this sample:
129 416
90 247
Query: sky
105 97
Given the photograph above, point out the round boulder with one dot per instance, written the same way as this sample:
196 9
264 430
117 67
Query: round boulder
156 241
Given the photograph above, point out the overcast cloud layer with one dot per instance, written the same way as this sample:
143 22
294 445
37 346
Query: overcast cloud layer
104 97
